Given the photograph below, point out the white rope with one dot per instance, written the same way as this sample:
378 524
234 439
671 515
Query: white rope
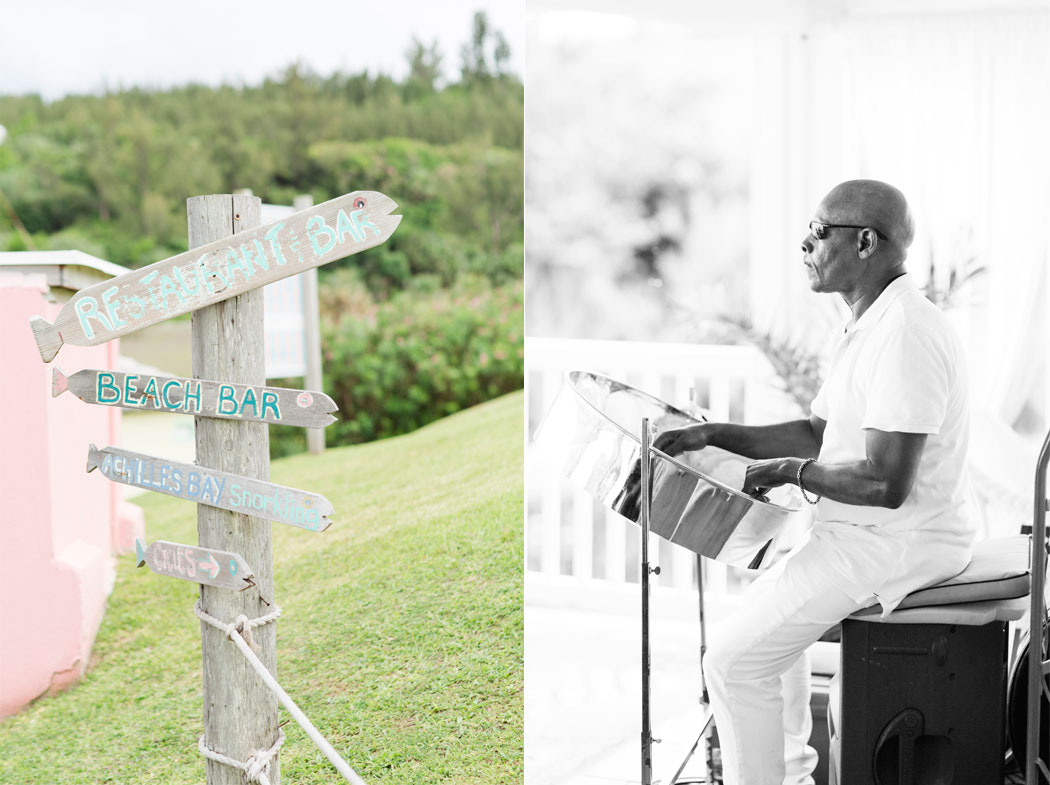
235 632
257 767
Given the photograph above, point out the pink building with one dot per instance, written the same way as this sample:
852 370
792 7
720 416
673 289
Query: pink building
59 527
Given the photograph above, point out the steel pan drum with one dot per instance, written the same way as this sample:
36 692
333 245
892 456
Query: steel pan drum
592 434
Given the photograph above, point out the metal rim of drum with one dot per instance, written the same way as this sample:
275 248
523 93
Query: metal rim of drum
570 377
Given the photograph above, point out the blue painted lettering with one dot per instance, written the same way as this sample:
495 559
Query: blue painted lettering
104 381
249 399
129 391
150 391
226 396
164 400
111 307
269 401
194 276
153 290
361 221
235 263
320 228
139 306
258 258
87 308
275 247
194 396
343 227
168 288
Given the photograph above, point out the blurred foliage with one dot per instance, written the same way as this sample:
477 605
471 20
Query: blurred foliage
111 173
424 325
393 366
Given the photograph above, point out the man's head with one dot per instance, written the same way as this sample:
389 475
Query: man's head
859 236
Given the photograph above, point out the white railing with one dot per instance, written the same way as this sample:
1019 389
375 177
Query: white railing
567 532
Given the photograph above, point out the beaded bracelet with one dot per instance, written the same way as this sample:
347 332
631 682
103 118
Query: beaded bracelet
798 481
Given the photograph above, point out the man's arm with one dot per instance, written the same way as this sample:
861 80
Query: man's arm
801 438
884 479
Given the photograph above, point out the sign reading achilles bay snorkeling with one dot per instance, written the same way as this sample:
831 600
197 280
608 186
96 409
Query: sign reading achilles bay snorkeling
219 270
192 563
276 405
217 489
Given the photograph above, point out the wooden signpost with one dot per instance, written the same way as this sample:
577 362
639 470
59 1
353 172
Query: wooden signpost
214 488
218 280
274 405
219 270
198 565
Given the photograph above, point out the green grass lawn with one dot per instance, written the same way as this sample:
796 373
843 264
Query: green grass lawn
401 635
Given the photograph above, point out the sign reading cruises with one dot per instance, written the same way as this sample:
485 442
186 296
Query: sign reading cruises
275 405
220 270
217 489
192 563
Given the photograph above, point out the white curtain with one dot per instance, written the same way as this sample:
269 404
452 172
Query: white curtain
955 110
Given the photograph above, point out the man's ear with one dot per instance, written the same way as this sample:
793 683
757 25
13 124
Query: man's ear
867 242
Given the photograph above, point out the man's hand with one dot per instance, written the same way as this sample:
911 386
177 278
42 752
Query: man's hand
678 440
771 473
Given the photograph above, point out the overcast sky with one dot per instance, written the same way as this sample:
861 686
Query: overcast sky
69 46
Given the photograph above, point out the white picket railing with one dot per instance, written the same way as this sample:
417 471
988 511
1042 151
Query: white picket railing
567 532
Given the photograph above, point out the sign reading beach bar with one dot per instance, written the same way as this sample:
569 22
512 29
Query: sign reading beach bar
276 405
220 270
217 489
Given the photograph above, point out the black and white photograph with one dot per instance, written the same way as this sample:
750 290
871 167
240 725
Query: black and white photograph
794 252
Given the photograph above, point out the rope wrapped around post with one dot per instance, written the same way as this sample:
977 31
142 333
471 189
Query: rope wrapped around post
257 767
239 631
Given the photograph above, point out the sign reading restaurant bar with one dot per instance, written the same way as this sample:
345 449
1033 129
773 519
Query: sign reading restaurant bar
217 489
275 405
217 271
191 563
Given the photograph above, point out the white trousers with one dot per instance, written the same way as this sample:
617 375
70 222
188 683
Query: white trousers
758 675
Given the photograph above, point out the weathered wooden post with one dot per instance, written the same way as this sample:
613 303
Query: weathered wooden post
218 280
240 713
312 334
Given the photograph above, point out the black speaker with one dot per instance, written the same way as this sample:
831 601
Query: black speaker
923 704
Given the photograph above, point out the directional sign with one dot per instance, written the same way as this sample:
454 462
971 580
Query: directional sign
214 488
276 405
200 565
219 270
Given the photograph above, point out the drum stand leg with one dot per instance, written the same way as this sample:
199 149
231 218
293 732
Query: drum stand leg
646 502
646 570
707 731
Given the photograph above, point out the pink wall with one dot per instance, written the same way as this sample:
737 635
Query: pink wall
59 526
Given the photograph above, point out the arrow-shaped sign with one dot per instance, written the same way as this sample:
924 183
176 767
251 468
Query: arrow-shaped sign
193 563
232 492
275 405
219 270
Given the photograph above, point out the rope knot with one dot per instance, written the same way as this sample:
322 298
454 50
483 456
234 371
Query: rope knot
256 767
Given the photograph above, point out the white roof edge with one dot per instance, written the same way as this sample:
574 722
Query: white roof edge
60 259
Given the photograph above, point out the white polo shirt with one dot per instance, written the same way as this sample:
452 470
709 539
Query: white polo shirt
900 368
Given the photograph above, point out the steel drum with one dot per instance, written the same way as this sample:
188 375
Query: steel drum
592 434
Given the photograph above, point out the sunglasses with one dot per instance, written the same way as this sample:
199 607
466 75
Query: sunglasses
820 231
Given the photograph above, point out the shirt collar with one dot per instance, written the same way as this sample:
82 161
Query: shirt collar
877 309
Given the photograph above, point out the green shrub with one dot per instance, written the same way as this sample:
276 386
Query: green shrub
421 356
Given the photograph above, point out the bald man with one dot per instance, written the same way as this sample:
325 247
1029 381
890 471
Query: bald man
881 457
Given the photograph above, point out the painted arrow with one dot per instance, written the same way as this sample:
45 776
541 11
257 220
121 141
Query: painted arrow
226 491
221 568
217 271
275 405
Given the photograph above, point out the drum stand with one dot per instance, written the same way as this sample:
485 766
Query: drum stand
647 733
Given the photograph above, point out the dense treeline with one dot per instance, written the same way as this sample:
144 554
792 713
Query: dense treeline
109 175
